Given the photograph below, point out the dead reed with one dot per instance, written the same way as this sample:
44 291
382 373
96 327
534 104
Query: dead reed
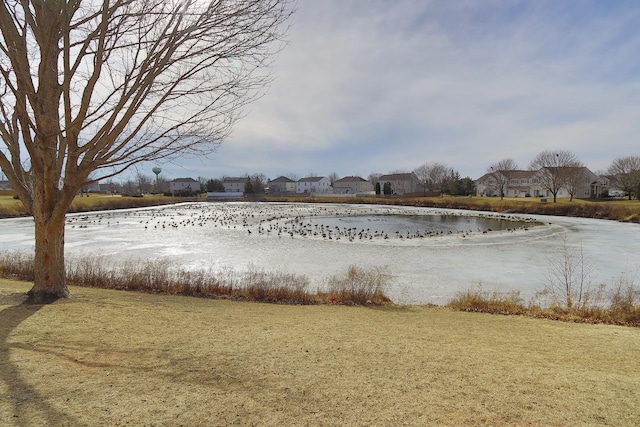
358 286
618 304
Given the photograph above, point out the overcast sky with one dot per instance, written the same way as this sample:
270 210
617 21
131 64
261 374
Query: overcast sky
377 86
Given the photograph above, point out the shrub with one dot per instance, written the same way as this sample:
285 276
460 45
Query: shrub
479 300
17 265
360 286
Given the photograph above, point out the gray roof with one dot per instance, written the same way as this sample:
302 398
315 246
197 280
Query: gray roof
397 177
311 179
282 179
351 179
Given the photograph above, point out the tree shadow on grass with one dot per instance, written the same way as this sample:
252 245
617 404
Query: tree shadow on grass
29 407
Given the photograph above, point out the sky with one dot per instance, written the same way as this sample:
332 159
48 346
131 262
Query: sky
377 86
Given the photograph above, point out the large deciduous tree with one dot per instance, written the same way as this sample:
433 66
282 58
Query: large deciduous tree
433 176
555 169
626 171
502 172
89 88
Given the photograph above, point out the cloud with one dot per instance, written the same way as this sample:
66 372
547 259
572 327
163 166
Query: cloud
374 86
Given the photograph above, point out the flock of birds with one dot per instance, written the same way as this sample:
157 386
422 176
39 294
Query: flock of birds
278 220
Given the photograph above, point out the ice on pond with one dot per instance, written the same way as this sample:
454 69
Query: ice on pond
431 253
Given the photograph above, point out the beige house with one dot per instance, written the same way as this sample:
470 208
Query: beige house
352 185
401 183
282 185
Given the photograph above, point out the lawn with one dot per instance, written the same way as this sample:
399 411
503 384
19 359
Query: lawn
122 358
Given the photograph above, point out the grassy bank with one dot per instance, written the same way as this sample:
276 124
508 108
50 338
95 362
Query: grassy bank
120 358
614 209
10 207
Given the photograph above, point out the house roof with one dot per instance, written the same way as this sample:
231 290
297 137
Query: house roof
233 179
397 177
282 179
184 180
311 179
518 174
513 174
350 179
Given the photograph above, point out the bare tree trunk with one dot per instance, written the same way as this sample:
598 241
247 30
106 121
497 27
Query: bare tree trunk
49 214
49 284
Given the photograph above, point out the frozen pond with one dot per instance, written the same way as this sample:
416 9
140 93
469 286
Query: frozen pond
431 253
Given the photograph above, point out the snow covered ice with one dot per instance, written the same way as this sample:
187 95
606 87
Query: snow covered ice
431 253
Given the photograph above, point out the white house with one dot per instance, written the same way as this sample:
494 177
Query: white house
401 183
234 184
314 185
281 185
184 184
352 185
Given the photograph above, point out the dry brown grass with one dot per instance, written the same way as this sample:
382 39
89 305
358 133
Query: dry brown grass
121 358
10 207
357 286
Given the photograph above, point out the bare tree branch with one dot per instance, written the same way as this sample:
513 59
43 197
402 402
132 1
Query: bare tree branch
502 172
92 87
555 169
626 171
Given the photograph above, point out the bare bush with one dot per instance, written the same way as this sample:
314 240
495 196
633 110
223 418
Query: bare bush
360 286
569 278
480 300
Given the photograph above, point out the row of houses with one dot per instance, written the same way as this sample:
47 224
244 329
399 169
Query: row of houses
520 183
315 185
400 183
320 185
517 183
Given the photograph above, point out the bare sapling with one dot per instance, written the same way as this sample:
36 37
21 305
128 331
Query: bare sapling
568 281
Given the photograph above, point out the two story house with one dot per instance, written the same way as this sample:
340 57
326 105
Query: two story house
352 185
282 185
401 183
314 185
184 184
234 184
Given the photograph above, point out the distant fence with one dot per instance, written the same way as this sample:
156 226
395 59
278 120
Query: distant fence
221 195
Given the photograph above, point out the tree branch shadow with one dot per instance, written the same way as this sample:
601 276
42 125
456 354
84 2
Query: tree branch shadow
29 406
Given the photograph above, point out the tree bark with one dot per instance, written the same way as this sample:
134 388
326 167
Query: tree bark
49 268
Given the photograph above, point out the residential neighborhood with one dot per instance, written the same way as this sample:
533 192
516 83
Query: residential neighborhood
501 180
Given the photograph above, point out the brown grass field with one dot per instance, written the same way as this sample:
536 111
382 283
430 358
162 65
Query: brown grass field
118 358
